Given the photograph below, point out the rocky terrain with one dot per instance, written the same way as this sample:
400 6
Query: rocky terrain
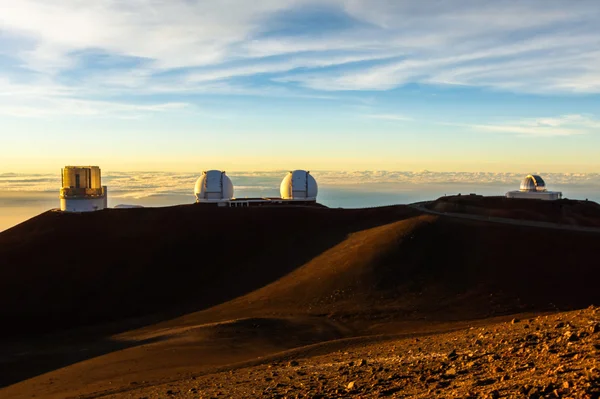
550 356
281 302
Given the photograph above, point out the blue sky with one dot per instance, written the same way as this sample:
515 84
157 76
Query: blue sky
181 85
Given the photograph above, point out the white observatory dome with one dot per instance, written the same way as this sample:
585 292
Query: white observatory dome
299 185
533 183
213 185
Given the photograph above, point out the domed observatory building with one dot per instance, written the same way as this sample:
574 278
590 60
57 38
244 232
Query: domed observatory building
82 189
534 187
214 187
299 186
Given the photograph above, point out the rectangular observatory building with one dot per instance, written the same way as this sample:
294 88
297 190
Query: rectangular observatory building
82 189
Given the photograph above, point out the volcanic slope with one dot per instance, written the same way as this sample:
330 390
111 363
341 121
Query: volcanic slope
61 270
304 276
430 267
564 211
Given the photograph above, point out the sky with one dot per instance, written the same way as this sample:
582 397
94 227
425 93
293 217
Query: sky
337 85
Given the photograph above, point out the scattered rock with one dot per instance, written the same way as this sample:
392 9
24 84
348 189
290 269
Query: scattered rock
442 384
533 393
451 372
570 337
486 381
556 361
390 391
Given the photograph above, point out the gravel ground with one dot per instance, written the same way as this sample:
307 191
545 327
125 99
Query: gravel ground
553 356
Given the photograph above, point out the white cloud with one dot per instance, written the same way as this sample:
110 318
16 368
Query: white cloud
145 184
182 46
496 66
38 107
170 33
284 66
565 125
388 117
49 99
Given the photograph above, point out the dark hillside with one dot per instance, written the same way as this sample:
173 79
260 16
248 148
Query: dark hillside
220 286
436 268
62 270
565 211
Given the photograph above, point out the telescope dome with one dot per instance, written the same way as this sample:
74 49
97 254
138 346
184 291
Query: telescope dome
299 185
533 183
213 185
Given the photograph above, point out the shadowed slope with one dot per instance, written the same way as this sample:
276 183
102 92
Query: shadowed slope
304 275
433 267
62 270
567 212
170 353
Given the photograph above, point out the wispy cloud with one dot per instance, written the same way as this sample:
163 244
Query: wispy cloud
536 65
73 107
271 67
92 51
388 117
48 99
565 125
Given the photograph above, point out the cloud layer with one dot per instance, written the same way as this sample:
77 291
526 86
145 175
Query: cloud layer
76 57
145 184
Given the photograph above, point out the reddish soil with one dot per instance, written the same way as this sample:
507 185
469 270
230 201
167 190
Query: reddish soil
119 300
554 356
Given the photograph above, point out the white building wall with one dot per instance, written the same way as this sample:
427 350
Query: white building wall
541 195
82 204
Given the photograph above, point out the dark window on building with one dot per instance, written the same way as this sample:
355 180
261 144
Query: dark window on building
77 180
